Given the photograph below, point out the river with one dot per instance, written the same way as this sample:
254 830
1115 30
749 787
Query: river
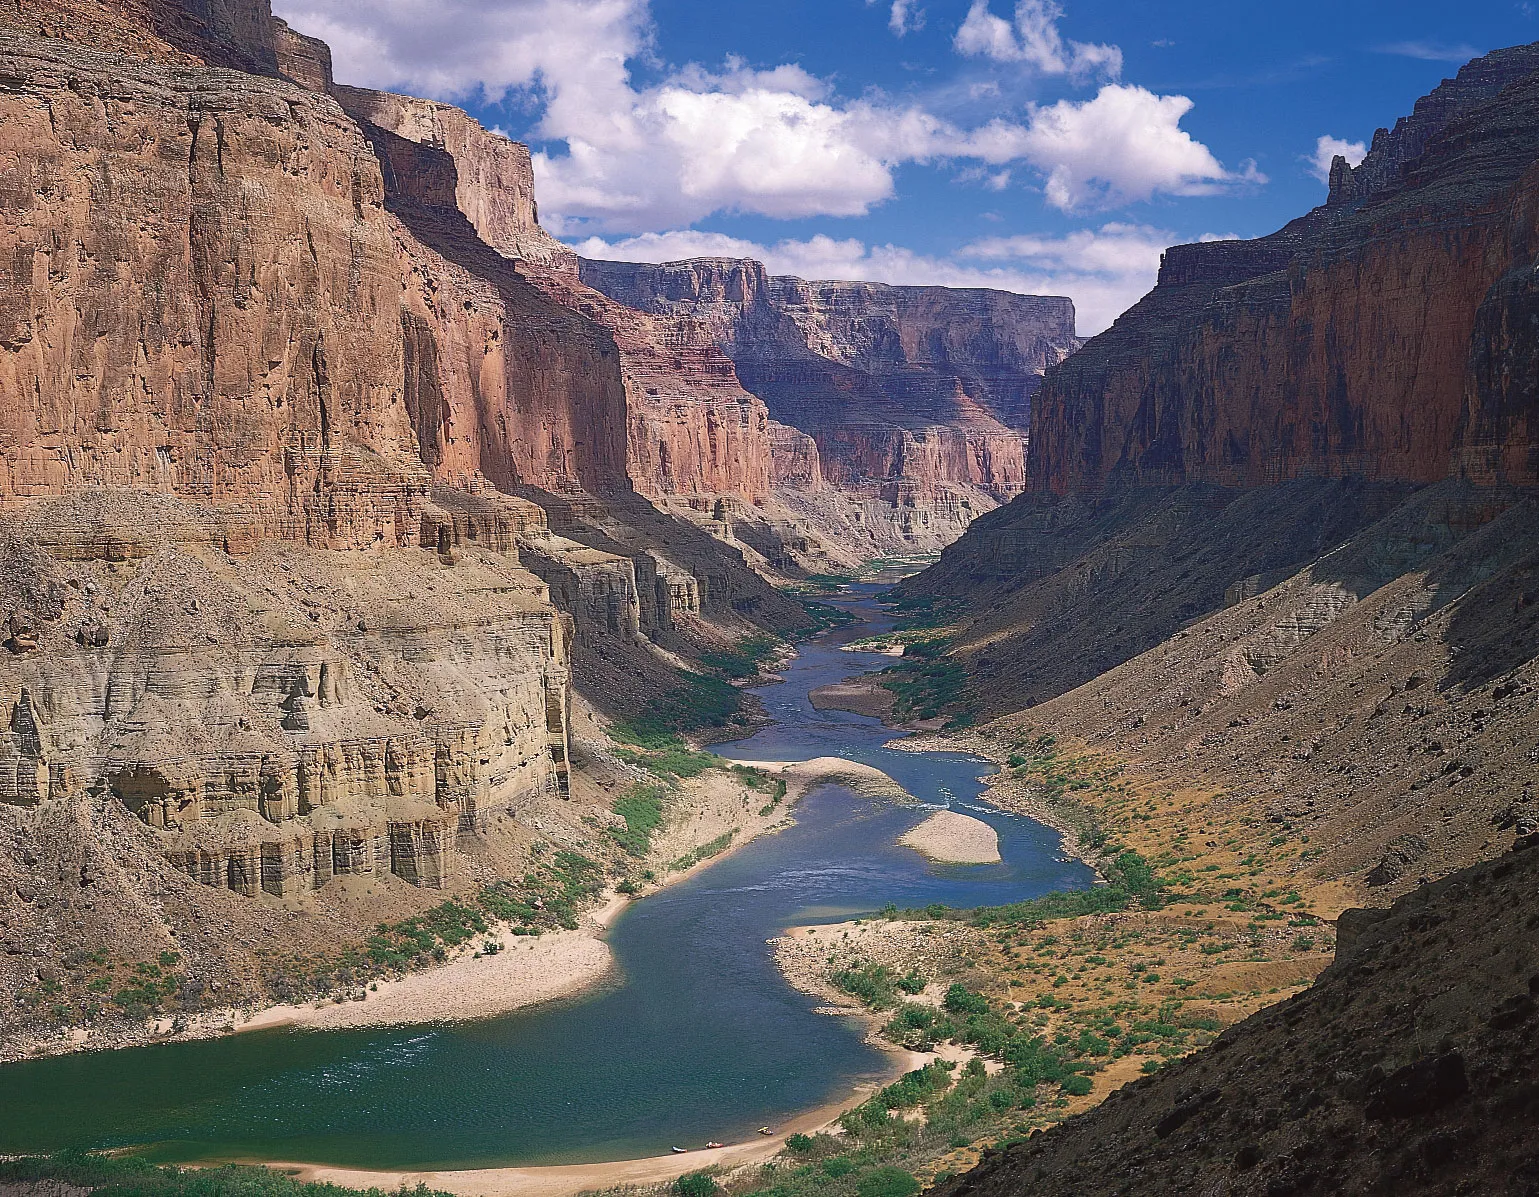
700 1037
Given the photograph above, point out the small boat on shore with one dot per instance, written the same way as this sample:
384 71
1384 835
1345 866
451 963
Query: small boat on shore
764 1130
713 1145
680 1150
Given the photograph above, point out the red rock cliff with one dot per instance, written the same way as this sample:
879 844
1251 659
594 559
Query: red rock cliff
925 386
1384 335
692 431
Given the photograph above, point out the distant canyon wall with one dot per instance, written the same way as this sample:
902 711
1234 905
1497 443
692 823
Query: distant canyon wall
1385 335
923 391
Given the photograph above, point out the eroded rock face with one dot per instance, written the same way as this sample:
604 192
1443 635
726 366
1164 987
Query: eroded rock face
284 716
1381 336
918 392
691 430
267 399
201 297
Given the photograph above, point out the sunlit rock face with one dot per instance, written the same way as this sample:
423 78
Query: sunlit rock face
266 397
917 397
1383 335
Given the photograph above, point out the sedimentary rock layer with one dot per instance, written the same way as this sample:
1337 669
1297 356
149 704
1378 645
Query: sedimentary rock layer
283 716
916 397
1380 336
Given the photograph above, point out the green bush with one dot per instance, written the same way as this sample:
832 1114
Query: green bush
696 1184
744 658
642 809
874 984
799 1143
128 1177
1075 1086
961 1000
887 1181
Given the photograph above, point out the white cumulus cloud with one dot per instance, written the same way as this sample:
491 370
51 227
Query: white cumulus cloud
1326 149
905 16
1033 39
1104 270
625 158
1126 144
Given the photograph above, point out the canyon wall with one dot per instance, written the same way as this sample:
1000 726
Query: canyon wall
917 397
1380 336
1271 399
283 434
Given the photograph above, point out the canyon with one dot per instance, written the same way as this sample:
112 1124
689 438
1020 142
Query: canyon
916 398
361 545
1274 573
342 513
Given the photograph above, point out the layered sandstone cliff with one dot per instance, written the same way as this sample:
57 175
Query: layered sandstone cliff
916 397
280 426
1186 455
1380 336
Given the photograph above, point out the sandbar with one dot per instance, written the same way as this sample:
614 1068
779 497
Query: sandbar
953 838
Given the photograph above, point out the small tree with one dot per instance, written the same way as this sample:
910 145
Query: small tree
696 1184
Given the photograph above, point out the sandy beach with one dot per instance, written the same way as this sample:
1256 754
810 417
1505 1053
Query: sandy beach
953 838
526 972
562 964
564 1180
865 780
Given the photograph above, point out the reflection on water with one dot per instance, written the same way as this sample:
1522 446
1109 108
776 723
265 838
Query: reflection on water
702 1040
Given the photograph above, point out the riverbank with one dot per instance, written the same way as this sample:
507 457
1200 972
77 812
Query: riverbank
709 817
1009 790
567 1180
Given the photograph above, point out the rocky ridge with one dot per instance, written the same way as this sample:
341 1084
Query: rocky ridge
1408 1067
1180 599
1275 571
317 529
916 397
1377 337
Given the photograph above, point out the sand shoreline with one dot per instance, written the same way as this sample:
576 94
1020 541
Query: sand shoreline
528 971
566 1180
531 971
951 837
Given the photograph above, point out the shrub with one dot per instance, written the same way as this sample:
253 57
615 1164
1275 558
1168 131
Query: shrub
696 1184
887 1182
873 984
642 809
961 1000
129 1177
799 1143
1076 1085
839 1165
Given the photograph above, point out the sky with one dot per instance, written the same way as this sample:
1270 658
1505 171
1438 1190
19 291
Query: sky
1036 146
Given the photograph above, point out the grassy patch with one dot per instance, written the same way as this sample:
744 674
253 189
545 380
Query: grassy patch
705 851
642 809
661 752
128 1177
698 701
550 895
744 659
821 617
929 683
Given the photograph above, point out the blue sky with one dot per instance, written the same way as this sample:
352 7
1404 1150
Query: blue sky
1027 144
